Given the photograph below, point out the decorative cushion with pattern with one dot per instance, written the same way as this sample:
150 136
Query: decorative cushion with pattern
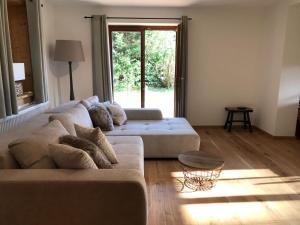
96 136
90 102
96 154
117 113
68 157
101 117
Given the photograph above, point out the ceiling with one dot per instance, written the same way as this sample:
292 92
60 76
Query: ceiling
170 3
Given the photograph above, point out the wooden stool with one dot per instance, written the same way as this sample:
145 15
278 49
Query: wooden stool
232 110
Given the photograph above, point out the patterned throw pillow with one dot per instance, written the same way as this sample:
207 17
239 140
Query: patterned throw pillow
117 113
67 157
101 117
89 147
90 102
96 136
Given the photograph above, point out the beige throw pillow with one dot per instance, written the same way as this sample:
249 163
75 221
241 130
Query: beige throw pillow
97 155
89 102
32 152
67 157
66 120
117 113
96 136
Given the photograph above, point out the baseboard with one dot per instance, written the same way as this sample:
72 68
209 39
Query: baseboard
254 128
276 137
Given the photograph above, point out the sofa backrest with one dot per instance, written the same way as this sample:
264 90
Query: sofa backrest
63 107
23 130
78 112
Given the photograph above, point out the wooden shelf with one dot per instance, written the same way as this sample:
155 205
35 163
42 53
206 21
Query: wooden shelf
25 100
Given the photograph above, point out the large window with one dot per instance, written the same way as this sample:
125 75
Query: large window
143 66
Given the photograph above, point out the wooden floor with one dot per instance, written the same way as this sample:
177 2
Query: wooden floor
260 183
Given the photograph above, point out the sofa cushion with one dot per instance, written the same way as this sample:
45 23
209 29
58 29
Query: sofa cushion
90 102
117 113
80 115
96 154
67 157
162 138
101 117
32 152
143 114
66 120
130 152
96 136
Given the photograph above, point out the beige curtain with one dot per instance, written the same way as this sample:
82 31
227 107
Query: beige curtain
102 80
8 100
181 68
36 49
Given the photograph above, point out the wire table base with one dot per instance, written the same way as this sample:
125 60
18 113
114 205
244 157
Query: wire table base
201 180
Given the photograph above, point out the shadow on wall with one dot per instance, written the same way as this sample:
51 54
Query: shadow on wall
60 76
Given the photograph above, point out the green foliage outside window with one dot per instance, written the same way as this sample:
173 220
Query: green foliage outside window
159 59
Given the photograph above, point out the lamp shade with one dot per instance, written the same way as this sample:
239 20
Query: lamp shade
19 71
69 51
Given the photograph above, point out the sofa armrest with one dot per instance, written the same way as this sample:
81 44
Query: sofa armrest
143 114
77 197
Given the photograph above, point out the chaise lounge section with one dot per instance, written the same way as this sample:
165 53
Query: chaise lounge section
162 137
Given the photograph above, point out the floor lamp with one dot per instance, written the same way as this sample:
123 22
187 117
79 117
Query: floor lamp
69 51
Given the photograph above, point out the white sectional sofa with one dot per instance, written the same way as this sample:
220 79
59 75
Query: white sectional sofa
115 196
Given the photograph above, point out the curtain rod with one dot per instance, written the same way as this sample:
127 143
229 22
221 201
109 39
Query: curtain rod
138 18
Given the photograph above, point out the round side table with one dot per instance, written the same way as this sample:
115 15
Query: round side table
201 170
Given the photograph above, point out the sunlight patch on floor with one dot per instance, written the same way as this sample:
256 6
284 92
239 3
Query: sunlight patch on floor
236 213
241 173
255 182
254 196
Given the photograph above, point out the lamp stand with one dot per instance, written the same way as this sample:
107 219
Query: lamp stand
71 82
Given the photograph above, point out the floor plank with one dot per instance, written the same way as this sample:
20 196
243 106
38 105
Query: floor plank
260 183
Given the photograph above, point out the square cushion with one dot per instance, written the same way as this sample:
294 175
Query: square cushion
67 157
96 136
96 154
101 117
117 113
90 102
32 152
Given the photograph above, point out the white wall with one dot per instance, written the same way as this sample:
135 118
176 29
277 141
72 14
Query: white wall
48 37
272 47
223 55
289 89
223 61
280 70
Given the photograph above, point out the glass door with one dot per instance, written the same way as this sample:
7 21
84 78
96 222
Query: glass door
143 66
126 65
160 53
